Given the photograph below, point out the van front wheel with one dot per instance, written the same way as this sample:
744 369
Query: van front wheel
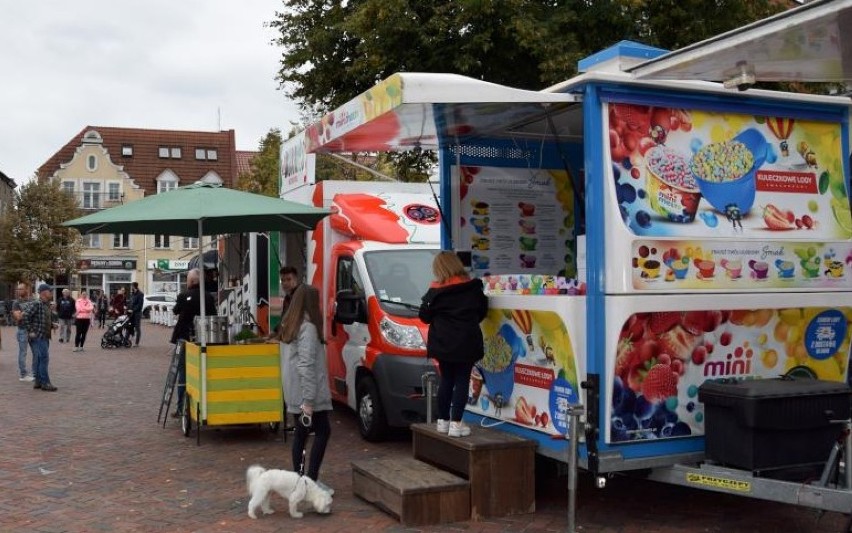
371 415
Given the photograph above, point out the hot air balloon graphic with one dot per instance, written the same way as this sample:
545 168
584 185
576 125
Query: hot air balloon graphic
524 321
781 127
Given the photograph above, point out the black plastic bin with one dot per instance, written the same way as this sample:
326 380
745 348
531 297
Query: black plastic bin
772 423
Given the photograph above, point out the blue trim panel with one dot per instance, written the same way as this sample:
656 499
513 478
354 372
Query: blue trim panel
621 49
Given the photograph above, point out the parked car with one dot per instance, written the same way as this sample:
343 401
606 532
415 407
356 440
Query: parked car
157 298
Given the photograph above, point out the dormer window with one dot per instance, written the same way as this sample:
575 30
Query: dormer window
126 150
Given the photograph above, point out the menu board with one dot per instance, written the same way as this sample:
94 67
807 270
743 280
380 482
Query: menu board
516 220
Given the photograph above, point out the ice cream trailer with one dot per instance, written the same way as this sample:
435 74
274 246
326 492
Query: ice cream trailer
656 248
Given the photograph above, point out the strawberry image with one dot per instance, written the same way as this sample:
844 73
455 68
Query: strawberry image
777 219
678 343
659 383
698 322
661 322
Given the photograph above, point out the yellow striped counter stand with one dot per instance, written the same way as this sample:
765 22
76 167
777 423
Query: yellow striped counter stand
233 384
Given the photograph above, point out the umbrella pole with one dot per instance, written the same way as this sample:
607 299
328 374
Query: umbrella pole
203 336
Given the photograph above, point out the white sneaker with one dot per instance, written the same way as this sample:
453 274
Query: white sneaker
443 426
458 429
28 377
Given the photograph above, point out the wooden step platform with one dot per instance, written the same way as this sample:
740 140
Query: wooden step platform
500 467
416 493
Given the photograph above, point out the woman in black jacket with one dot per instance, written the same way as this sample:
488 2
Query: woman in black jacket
453 307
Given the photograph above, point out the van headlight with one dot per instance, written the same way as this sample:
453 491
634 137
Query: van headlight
403 336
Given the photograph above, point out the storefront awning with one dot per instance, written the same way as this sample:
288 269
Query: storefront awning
427 110
811 43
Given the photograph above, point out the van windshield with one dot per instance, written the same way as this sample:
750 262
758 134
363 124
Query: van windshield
400 278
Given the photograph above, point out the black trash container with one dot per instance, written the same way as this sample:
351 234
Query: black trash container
778 423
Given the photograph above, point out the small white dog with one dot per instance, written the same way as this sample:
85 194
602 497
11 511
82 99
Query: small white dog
290 485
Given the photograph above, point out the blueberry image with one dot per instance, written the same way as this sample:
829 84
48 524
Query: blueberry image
628 193
642 194
643 219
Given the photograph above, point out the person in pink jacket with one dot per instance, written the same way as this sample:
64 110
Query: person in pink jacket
85 311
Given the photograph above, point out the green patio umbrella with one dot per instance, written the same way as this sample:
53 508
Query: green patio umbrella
201 209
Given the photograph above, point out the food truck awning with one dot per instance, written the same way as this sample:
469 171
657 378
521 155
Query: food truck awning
429 110
809 43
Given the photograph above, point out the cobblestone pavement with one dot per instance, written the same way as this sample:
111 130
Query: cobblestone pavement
91 457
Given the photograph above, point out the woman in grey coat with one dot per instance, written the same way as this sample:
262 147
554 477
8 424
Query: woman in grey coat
305 377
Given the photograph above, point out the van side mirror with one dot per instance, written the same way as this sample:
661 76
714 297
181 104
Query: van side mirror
350 308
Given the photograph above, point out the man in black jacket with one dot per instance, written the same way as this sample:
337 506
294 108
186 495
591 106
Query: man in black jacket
187 307
137 300
65 309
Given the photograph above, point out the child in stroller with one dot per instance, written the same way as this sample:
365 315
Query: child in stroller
118 334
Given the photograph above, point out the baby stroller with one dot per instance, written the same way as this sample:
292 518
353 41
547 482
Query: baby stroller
118 333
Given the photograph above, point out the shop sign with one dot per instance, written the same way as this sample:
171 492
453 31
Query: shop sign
110 264
168 264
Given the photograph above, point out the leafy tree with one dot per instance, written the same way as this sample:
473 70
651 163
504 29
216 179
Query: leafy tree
336 49
263 176
33 244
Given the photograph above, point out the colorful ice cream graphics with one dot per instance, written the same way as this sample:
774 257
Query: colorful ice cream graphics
663 357
688 172
528 375
739 264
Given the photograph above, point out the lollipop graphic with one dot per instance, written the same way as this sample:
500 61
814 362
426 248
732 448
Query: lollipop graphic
781 127
524 321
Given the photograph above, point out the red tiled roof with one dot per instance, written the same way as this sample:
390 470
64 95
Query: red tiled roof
244 157
145 164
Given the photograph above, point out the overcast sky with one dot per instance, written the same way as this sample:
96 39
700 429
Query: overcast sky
170 64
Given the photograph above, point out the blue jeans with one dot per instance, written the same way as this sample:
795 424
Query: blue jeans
453 389
22 352
41 358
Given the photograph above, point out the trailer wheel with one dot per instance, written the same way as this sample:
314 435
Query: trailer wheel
371 415
186 419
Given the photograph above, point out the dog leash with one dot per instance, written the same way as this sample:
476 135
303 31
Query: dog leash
306 420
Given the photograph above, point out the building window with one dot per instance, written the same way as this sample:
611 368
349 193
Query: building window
126 150
68 187
121 240
190 243
91 163
161 241
91 195
164 152
114 192
92 240
175 152
163 186
210 154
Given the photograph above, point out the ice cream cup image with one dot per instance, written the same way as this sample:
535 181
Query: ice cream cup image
480 225
680 269
725 171
706 268
480 262
527 210
527 261
527 243
810 268
650 268
733 269
835 269
527 226
479 208
759 269
785 268
671 188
